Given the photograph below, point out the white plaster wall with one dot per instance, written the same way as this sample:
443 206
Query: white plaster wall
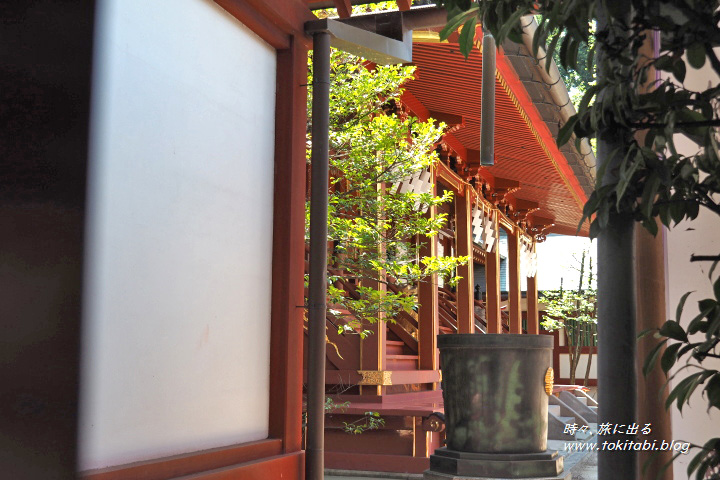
581 368
177 312
702 236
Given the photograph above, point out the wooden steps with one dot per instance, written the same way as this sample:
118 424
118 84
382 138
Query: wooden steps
395 347
402 362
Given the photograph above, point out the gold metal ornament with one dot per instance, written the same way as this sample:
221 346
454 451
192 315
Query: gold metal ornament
549 380
375 377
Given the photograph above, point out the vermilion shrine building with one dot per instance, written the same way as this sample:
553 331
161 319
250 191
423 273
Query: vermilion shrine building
534 188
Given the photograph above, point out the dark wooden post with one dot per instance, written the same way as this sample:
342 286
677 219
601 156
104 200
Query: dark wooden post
317 306
372 348
650 291
463 240
533 317
515 296
45 80
650 285
617 379
428 298
492 285
288 247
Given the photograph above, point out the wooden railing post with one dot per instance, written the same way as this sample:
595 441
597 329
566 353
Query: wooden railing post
466 284
373 347
514 294
492 283
428 299
533 317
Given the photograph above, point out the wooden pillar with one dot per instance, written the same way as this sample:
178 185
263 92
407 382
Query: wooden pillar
373 347
514 294
288 246
533 319
428 298
420 438
372 350
45 80
466 285
492 285
650 313
650 308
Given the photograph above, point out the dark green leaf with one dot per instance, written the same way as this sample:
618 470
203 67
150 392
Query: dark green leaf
696 324
646 332
467 37
695 462
713 391
696 55
648 197
682 390
652 357
550 50
566 131
650 225
629 165
664 214
679 70
603 214
697 379
669 357
618 9
716 289
664 62
712 269
455 22
681 305
510 24
672 329
677 211
686 349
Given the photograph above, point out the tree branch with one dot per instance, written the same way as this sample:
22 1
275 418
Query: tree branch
705 123
704 258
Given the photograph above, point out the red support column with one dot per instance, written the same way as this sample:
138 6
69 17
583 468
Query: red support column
533 318
466 285
428 298
286 353
514 293
372 349
492 283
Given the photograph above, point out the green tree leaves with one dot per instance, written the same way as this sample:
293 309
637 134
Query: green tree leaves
373 226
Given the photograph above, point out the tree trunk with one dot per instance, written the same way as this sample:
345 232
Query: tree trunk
577 343
587 370
573 368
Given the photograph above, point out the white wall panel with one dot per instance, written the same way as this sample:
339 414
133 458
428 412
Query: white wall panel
581 368
177 315
701 237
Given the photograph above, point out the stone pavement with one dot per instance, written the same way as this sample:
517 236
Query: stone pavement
580 466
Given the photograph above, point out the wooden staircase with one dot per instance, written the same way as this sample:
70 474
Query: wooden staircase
408 399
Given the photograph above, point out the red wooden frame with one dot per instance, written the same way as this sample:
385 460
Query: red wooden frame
189 464
279 23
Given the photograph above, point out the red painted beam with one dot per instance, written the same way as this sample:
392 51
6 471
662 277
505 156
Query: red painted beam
290 467
404 5
344 8
448 118
191 463
273 21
